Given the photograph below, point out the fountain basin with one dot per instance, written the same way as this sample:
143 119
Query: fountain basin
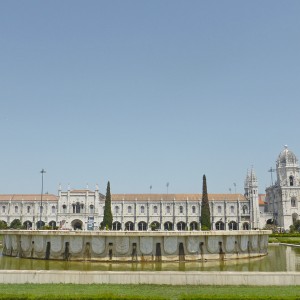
135 246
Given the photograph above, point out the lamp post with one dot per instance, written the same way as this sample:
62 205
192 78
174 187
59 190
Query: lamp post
41 206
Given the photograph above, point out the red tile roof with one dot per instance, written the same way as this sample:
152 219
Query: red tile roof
28 197
261 199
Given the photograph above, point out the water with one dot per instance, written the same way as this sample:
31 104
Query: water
279 259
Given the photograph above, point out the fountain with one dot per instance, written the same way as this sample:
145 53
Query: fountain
135 246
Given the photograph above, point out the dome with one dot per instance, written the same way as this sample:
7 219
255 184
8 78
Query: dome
286 156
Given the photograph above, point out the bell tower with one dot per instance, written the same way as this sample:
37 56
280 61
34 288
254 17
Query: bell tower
251 193
287 191
287 168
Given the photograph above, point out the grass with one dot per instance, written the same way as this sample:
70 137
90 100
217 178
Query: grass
106 291
283 239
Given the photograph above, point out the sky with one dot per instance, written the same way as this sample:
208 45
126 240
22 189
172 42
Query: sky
145 93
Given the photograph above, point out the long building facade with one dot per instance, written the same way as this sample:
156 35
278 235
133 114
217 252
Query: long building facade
84 209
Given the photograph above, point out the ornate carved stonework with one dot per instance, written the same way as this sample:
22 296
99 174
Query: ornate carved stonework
98 244
213 244
75 245
146 245
56 243
193 244
122 245
170 244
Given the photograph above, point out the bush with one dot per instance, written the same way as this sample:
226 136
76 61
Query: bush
15 224
3 225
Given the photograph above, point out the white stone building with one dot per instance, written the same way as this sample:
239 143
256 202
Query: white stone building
282 198
83 209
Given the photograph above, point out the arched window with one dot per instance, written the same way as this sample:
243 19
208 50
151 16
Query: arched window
117 209
293 202
52 224
246 226
3 209
245 209
142 209
194 226
193 209
129 226
219 209
220 225
294 217
291 180
181 209
232 225
64 207
155 209
53 209
181 226
129 209
154 226
142 226
16 209
28 209
168 209
168 226
116 226
92 209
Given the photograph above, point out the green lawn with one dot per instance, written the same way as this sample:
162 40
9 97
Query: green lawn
105 291
283 239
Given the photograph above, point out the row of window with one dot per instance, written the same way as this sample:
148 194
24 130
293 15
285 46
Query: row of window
168 209
142 226
28 209
155 209
78 208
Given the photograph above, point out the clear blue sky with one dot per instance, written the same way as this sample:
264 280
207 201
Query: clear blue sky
146 92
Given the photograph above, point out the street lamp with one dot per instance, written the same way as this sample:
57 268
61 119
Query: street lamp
41 206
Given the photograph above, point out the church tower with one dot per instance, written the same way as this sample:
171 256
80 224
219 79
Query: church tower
287 168
251 193
287 190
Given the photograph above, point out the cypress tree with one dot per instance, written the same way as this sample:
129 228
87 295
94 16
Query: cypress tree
107 218
205 210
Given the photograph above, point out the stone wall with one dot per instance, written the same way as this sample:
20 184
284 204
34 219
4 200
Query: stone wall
171 278
135 246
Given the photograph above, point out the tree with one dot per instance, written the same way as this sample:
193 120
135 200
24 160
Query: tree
205 210
107 218
3 225
15 224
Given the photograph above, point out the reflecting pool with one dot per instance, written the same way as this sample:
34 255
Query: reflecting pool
279 259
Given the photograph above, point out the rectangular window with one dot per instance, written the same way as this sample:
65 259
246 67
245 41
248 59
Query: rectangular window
232 209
